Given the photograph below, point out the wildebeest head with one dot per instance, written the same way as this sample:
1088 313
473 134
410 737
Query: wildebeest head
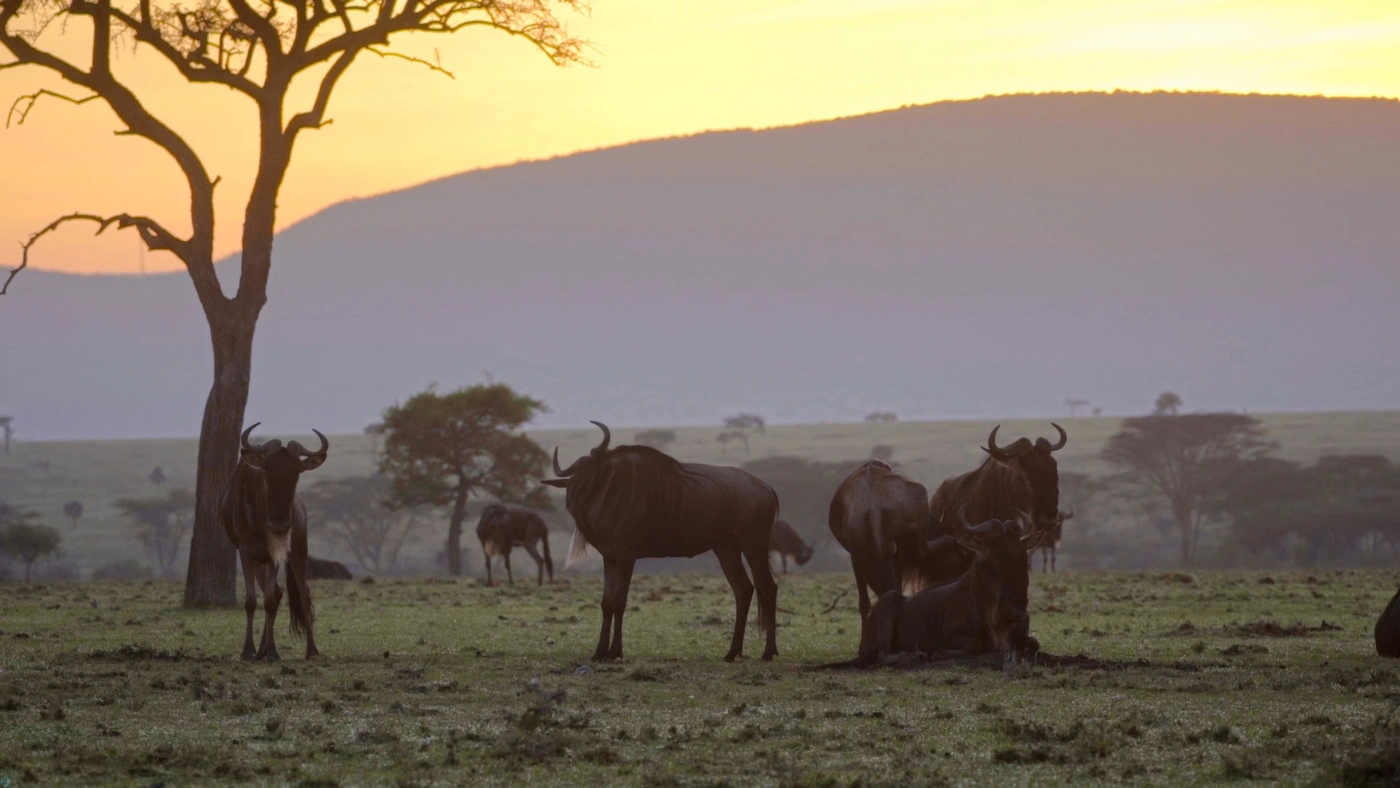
280 467
1000 551
581 463
1037 461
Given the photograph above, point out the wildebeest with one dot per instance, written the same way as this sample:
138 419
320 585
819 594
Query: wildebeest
1051 543
879 516
635 502
266 520
787 543
323 569
983 611
1021 477
1388 629
502 529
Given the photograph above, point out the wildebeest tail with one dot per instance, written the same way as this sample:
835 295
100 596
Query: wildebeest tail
877 567
548 561
578 549
298 592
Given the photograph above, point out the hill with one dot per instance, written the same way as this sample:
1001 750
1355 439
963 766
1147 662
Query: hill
962 259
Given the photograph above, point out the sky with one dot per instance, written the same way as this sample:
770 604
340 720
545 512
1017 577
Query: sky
659 68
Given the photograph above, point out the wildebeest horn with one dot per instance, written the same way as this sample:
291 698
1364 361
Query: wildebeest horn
1063 437
557 471
989 528
607 438
992 447
243 439
325 445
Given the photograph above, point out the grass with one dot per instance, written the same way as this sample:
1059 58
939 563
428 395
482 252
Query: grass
1216 677
44 476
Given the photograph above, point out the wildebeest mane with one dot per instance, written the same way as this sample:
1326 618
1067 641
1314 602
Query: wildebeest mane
996 489
245 502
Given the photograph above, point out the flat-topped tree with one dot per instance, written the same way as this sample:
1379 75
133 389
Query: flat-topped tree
258 49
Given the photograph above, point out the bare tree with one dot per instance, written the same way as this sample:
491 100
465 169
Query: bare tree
161 524
7 428
73 510
257 49
355 513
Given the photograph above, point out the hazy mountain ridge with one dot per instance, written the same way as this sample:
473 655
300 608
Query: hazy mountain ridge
964 258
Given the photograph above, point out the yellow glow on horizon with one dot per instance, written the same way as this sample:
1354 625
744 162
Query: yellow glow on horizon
663 68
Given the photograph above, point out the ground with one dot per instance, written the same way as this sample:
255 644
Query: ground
1208 677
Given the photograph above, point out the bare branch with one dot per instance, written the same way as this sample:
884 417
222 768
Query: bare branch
410 58
156 237
315 117
29 100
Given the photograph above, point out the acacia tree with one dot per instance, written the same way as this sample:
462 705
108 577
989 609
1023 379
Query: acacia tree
1178 457
160 524
73 510
22 537
355 512
440 449
260 49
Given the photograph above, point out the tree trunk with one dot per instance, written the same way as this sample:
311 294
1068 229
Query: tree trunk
454 534
212 577
1188 541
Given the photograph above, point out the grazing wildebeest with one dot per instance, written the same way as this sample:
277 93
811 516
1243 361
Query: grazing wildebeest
502 529
635 502
787 543
983 611
323 569
879 516
1051 543
1388 629
266 520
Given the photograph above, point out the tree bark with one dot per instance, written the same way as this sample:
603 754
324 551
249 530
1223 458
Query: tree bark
212 577
454 534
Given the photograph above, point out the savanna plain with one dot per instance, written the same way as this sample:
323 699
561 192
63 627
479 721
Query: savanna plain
1194 677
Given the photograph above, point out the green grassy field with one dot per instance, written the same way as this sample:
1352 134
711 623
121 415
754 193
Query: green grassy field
449 683
43 476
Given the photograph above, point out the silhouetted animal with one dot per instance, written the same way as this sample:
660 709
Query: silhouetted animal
984 610
1019 477
786 542
323 569
502 529
1051 543
1388 629
879 516
636 502
266 520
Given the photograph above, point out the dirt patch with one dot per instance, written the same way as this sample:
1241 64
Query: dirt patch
1273 629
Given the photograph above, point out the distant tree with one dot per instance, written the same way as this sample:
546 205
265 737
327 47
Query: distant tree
24 539
882 451
749 422
7 428
804 487
657 439
160 524
1168 404
1174 457
121 570
1097 412
73 510
355 513
441 449
881 417
1076 404
157 477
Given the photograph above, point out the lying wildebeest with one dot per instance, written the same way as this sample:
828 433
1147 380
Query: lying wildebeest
636 502
323 569
1388 629
787 543
502 529
266 520
879 516
983 611
1051 543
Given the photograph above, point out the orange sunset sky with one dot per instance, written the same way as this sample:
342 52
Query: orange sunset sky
663 67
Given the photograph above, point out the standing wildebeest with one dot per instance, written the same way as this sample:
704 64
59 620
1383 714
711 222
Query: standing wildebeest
266 520
1019 477
787 543
503 529
636 502
879 515
1051 543
324 569
983 611
1388 629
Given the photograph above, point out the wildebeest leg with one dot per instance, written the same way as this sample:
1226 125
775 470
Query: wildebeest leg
1052 559
489 580
506 559
624 581
272 598
860 589
250 603
609 582
539 562
767 598
733 566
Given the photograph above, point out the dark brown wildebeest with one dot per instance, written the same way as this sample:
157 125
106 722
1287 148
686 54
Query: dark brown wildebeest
983 611
502 529
1388 629
636 502
1021 477
266 520
879 516
787 543
323 569
1051 543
